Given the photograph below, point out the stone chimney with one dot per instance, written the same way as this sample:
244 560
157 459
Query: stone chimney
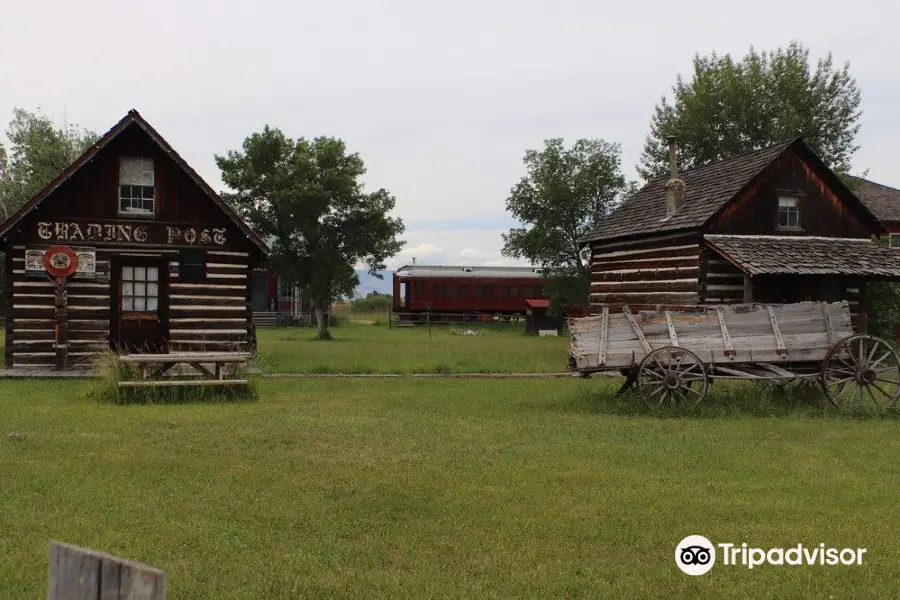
674 187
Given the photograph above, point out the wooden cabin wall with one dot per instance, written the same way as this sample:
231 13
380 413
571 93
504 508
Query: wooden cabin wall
661 271
215 315
31 318
720 281
93 191
822 212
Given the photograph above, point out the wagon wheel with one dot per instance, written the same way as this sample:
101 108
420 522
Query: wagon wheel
862 372
672 375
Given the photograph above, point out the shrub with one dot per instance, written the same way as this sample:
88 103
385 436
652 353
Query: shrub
884 308
373 303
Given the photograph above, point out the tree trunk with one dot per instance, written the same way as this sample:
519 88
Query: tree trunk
322 319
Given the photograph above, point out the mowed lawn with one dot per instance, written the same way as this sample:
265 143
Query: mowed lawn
365 348
416 488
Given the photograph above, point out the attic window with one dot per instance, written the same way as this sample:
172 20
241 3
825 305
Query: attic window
788 212
137 186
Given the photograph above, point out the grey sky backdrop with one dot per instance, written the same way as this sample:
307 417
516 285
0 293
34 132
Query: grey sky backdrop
441 99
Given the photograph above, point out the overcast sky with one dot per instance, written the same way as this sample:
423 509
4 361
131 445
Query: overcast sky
441 99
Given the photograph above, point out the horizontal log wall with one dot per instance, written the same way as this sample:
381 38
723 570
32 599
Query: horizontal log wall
31 315
215 314
660 272
722 282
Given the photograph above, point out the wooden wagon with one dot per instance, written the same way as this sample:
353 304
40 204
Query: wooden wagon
673 356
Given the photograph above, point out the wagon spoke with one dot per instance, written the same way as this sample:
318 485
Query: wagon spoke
872 352
891 397
680 360
841 380
656 358
878 362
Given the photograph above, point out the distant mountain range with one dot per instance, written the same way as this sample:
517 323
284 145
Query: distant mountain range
368 284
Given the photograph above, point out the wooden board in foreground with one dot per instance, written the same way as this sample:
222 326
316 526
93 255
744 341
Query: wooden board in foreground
80 573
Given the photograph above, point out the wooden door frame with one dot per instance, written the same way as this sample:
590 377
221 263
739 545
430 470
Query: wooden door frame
115 297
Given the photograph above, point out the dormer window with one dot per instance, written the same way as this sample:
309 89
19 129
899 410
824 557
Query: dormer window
788 212
137 186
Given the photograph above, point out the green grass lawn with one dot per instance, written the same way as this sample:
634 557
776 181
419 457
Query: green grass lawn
441 488
366 348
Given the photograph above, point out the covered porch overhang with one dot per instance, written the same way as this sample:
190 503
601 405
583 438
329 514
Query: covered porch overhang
782 269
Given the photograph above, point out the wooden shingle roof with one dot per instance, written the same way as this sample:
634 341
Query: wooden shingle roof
882 200
807 255
708 188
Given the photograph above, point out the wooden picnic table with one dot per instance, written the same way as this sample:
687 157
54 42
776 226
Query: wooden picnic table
154 366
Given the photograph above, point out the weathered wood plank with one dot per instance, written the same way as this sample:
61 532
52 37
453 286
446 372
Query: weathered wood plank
674 261
604 326
726 337
779 341
636 328
184 383
77 573
747 335
673 336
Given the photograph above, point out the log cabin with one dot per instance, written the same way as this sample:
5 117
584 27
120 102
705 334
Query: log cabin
884 202
775 225
163 263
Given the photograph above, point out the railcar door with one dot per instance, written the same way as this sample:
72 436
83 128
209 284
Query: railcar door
139 306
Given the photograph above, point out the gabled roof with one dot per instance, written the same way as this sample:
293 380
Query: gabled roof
708 188
882 200
807 255
132 118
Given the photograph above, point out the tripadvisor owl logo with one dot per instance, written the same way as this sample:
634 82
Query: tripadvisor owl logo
695 555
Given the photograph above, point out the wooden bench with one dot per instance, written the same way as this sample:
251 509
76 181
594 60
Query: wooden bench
154 366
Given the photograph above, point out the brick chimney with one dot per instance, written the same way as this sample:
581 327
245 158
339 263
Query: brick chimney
674 187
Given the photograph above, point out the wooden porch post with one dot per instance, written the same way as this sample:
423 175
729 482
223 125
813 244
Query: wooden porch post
748 288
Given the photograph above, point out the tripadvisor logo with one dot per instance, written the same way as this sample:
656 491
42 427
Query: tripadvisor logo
696 555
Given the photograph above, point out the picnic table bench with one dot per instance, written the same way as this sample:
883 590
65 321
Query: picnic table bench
153 366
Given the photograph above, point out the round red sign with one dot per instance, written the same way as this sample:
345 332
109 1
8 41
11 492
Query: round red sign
60 261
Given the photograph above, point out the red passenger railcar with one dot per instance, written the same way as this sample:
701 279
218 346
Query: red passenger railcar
420 289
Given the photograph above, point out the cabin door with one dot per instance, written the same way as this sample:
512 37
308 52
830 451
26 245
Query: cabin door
260 292
139 306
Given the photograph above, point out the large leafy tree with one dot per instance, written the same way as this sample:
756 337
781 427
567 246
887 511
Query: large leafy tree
306 196
729 107
39 149
565 191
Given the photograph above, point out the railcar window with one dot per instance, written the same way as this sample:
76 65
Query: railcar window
452 291
439 291
513 292
463 291
419 286
485 291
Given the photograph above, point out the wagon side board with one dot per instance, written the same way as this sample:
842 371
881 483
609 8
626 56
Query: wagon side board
741 333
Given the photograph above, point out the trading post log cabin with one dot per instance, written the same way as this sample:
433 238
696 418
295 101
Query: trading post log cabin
772 226
163 263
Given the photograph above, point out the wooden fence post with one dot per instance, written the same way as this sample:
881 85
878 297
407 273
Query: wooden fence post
81 573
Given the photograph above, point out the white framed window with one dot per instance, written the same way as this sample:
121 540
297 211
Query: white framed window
788 212
140 289
895 240
137 186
